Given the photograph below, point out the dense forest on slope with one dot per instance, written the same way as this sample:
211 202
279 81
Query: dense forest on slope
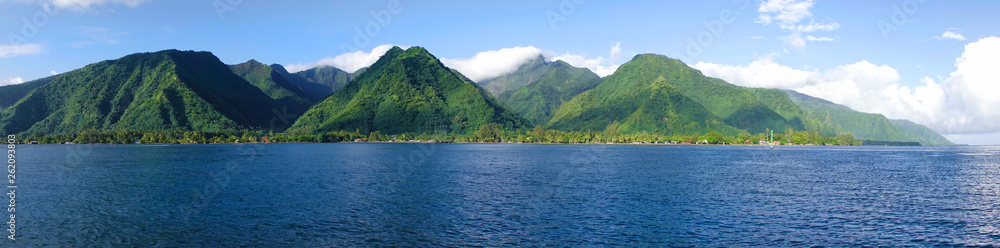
10 94
841 119
147 91
750 109
924 135
319 82
524 75
275 85
408 92
641 99
538 100
193 97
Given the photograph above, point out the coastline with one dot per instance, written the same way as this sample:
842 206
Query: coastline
484 143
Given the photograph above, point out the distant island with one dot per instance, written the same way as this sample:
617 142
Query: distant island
176 96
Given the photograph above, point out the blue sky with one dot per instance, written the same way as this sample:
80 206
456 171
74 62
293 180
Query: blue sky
756 45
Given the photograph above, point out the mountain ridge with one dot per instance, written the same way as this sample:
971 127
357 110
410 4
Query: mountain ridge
642 100
412 91
10 94
407 91
550 84
162 90
865 125
274 84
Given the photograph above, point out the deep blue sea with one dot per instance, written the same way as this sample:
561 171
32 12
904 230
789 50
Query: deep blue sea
348 195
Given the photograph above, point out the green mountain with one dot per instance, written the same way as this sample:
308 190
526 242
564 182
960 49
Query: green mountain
524 75
178 90
275 85
411 91
407 92
642 97
750 109
318 82
837 118
924 135
10 94
544 93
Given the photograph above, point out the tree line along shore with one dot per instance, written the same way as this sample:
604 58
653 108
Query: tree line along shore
488 133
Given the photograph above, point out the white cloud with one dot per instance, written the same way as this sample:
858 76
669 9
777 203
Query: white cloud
763 73
11 80
973 87
966 102
85 4
616 52
600 66
814 38
784 11
795 40
813 27
862 86
53 72
349 62
951 35
787 14
483 66
293 68
490 64
14 50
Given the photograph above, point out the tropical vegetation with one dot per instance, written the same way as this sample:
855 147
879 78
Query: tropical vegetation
409 95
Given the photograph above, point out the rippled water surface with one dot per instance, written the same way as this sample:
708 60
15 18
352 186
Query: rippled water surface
311 195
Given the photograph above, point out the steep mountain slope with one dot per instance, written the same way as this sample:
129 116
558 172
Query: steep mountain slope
274 84
642 98
924 135
750 109
10 94
318 82
407 92
841 119
542 95
169 89
524 75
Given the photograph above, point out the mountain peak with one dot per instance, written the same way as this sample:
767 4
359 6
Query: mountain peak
418 52
415 49
251 64
407 92
393 51
254 62
191 91
281 69
658 57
